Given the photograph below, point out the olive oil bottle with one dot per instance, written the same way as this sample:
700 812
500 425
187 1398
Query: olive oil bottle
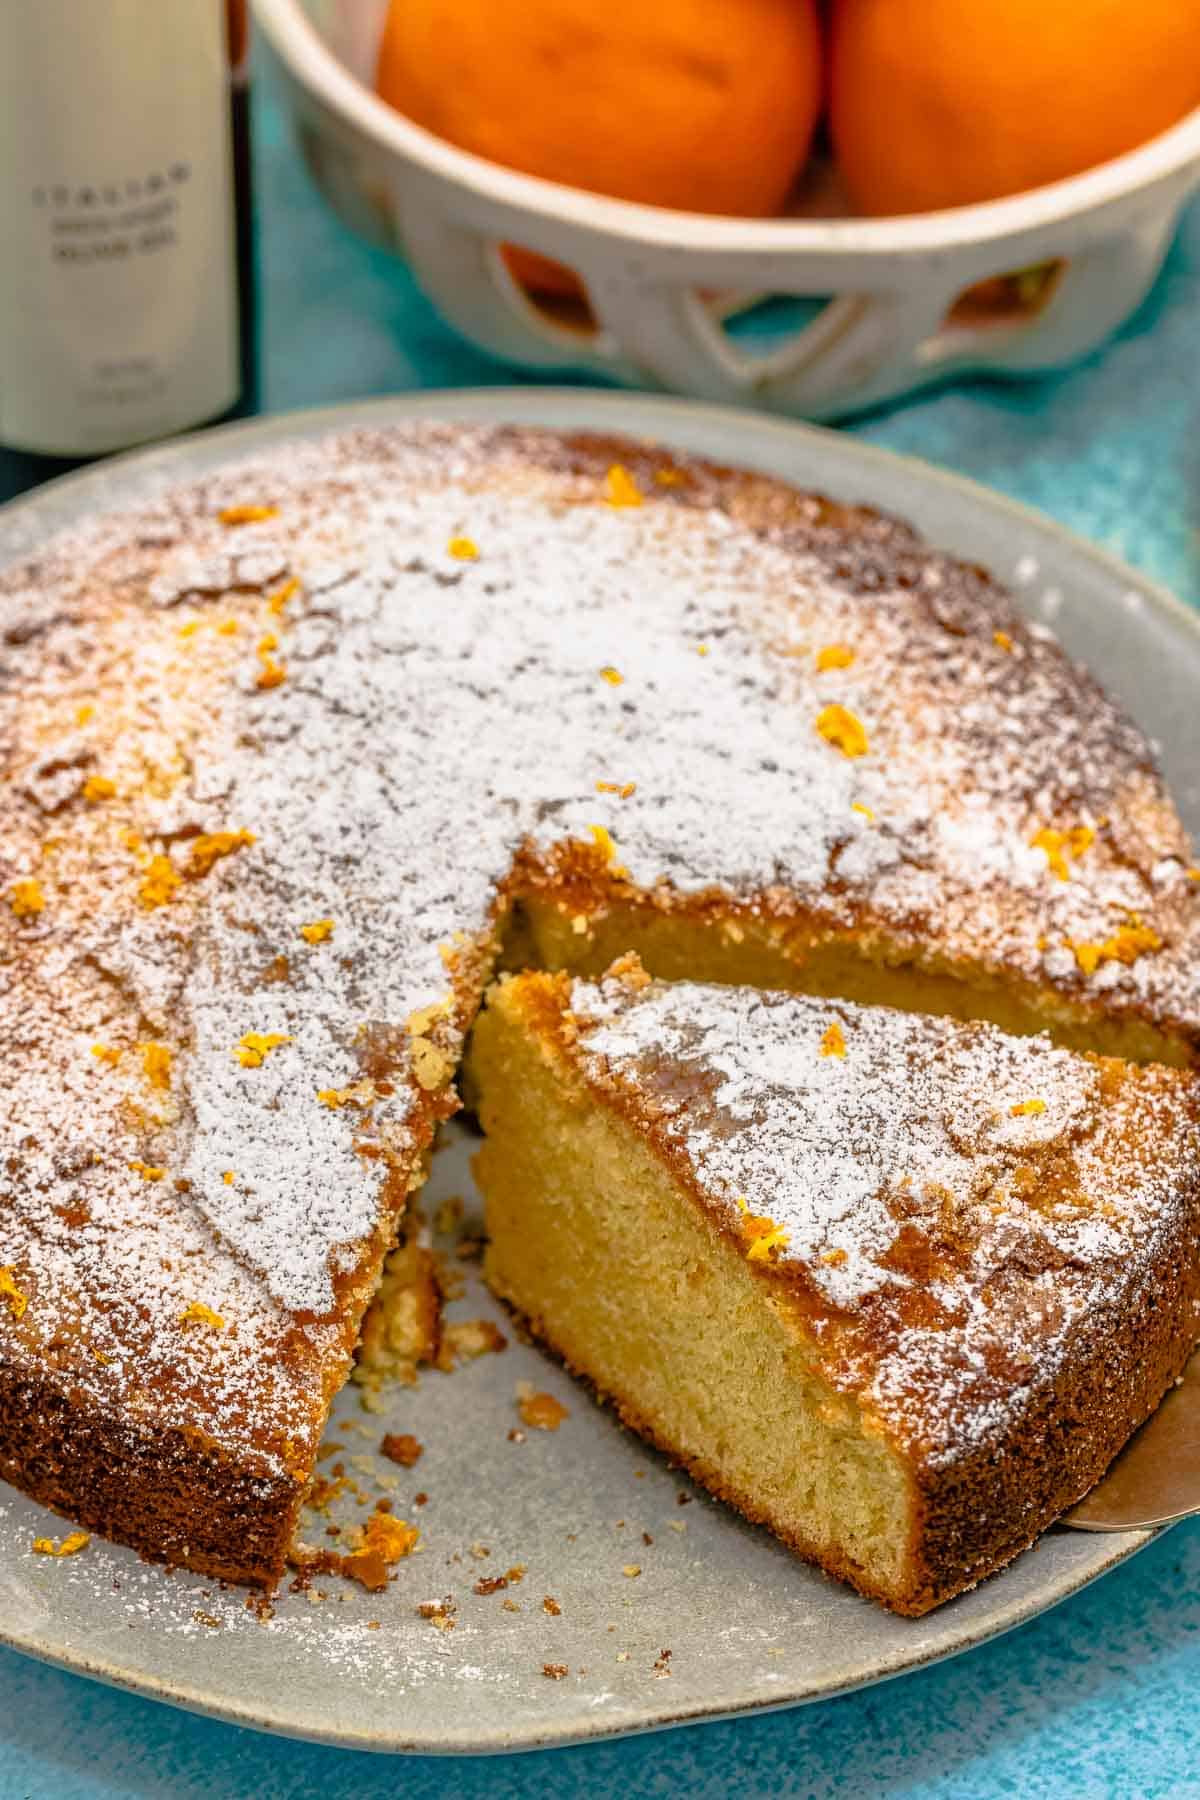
126 254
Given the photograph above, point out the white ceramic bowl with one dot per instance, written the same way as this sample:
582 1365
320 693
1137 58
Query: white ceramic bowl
661 283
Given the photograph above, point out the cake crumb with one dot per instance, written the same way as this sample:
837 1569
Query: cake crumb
550 1605
541 1412
631 1571
554 1671
465 1339
448 1216
439 1612
402 1448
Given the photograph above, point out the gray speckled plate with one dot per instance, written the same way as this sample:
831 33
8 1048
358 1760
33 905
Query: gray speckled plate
746 1625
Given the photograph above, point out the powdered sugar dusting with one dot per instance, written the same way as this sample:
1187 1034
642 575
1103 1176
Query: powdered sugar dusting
954 1200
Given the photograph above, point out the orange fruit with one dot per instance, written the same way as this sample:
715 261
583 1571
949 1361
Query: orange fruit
705 105
938 103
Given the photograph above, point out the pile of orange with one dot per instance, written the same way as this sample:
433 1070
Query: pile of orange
712 105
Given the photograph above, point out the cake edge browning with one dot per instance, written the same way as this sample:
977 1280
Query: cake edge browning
174 1495
979 1512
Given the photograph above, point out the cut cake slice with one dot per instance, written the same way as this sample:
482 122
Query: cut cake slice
897 1286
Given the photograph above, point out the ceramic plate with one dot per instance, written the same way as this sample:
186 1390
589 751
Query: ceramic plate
720 1619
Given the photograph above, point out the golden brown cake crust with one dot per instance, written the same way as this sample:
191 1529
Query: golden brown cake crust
992 1246
279 751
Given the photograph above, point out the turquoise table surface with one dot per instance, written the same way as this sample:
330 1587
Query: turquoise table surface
1100 1697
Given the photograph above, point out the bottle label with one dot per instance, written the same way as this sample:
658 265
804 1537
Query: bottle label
118 273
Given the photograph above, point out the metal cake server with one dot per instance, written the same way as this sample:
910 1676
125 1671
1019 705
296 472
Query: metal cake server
1156 1478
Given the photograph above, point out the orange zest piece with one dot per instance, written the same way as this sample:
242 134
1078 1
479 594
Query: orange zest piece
834 1258
159 883
282 595
229 627
11 1293
247 515
858 807
1060 846
84 713
147 1171
1003 642
463 549
835 656
1027 1109
317 932
271 675
843 730
26 899
620 489
613 676
228 1177
106 1054
622 790
253 1047
211 846
834 1041
156 1062
1126 944
71 1545
98 787
607 848
762 1235
196 1313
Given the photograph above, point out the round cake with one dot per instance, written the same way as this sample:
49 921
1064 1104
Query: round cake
296 756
